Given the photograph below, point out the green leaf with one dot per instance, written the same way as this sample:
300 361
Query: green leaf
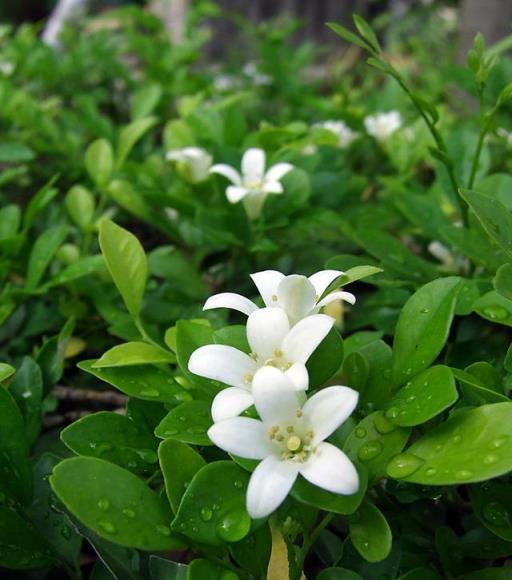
15 153
200 569
377 388
503 281
348 36
491 503
212 510
126 262
425 396
81 206
310 494
43 251
179 463
114 503
474 391
370 533
365 30
6 371
494 307
84 267
133 354
177 135
38 202
423 327
26 387
16 472
253 552
189 337
99 161
114 438
470 447
188 423
145 100
494 217
161 569
352 275
338 574
373 442
23 548
129 136
234 335
145 382
325 360
10 219
51 356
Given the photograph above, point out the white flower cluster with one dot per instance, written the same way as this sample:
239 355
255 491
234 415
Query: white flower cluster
289 436
383 125
341 130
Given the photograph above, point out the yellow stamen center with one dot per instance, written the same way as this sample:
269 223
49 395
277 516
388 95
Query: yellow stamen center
293 443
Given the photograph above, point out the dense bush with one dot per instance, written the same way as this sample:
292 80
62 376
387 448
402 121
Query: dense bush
138 184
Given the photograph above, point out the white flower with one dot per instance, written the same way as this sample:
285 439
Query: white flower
225 83
290 441
259 79
193 163
6 68
297 295
382 125
342 131
272 343
505 135
254 184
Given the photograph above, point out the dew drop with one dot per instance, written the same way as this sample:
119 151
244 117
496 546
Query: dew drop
431 471
463 474
163 529
239 484
65 532
206 514
229 575
152 393
403 465
234 526
170 432
456 439
370 450
496 514
360 432
107 526
382 425
147 455
103 504
496 312
491 458
392 413
129 513
425 310
497 443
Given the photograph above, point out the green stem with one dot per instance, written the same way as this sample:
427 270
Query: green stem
310 539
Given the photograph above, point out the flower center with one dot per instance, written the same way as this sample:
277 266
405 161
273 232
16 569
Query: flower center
279 361
253 184
293 446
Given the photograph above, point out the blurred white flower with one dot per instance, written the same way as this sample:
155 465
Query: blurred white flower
342 131
193 163
449 16
309 149
254 183
6 68
272 343
297 295
382 125
290 440
258 78
505 135
224 83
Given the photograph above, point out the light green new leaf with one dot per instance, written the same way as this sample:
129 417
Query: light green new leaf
134 353
43 251
99 161
114 503
126 262
129 136
81 206
6 371
423 327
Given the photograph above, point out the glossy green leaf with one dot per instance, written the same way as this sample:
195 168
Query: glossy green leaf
492 504
146 382
99 161
189 337
114 503
494 307
200 569
234 335
503 281
16 472
253 552
338 574
129 136
356 370
423 327
188 423
6 371
126 262
378 384
179 463
470 447
474 391
325 360
370 533
212 510
114 438
26 387
373 442
162 569
351 275
423 397
133 354
314 496
43 251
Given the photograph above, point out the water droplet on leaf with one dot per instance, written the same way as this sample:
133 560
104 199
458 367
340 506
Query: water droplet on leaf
234 526
404 465
370 450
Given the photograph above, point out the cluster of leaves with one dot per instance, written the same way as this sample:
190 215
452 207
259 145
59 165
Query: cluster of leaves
427 345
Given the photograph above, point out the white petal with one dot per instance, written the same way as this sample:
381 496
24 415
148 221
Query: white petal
222 363
277 172
266 330
230 403
300 343
272 187
298 375
242 436
275 396
230 300
253 165
269 485
328 409
297 296
322 279
340 295
332 470
235 193
267 282
227 171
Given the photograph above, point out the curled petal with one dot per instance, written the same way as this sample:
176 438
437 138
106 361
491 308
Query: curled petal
269 485
296 295
330 469
235 193
322 279
267 282
223 363
228 172
340 295
253 165
230 403
230 300
328 409
266 330
277 172
242 436
302 340
275 396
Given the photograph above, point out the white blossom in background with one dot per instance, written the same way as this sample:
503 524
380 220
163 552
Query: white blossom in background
224 83
6 67
258 78
382 125
342 131
290 440
193 163
254 183
297 295
505 135
272 343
